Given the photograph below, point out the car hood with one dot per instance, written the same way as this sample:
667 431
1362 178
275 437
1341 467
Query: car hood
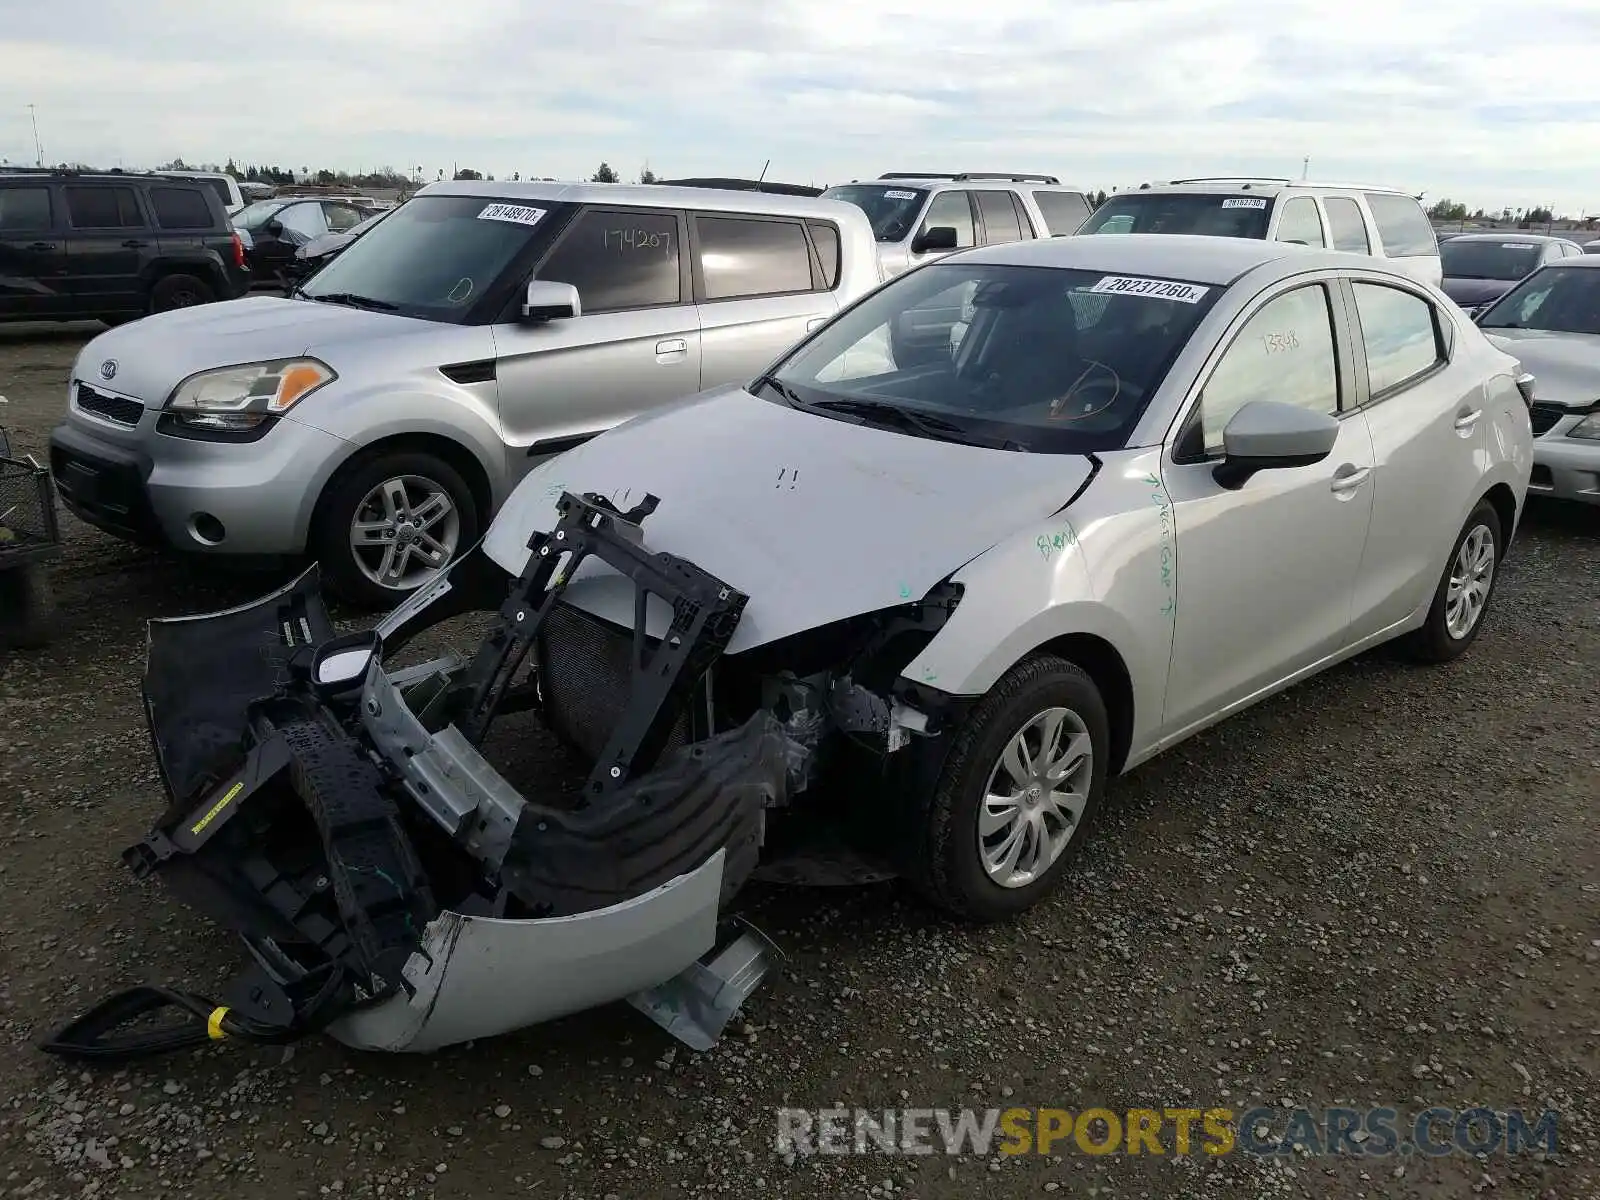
1471 292
153 355
814 519
1565 366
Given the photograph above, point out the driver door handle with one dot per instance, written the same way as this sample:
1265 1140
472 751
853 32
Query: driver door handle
1467 420
1349 478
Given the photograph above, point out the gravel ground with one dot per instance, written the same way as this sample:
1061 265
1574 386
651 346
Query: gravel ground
1380 889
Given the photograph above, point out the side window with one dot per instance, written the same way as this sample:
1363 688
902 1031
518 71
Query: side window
1400 334
619 260
24 208
825 238
102 208
1285 352
1346 224
952 209
742 257
1301 223
1402 226
180 208
304 219
999 218
340 216
1063 211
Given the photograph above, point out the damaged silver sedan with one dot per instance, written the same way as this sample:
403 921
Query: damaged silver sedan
1005 528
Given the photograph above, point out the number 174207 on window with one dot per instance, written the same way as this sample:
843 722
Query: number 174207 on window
637 239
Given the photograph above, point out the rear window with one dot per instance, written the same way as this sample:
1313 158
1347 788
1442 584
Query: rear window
1063 211
1473 259
1403 227
825 238
1211 214
24 208
180 208
103 207
890 209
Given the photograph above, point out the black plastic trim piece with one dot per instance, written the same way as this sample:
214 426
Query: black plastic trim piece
482 370
559 445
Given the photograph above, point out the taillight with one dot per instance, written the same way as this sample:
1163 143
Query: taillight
1525 384
238 250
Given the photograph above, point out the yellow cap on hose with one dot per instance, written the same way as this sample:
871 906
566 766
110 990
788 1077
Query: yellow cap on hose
214 1023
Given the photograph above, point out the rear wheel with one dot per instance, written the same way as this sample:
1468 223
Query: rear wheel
1462 597
179 291
1023 780
388 523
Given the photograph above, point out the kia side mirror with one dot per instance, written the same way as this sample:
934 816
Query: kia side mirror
940 237
1267 435
548 300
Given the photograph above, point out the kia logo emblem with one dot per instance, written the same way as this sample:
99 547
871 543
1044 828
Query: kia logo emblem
108 369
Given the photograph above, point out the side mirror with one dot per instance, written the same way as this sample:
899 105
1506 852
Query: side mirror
273 228
548 300
341 664
1267 435
940 237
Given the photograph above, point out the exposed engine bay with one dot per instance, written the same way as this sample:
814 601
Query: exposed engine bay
400 884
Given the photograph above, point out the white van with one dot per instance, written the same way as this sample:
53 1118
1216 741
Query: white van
225 185
1380 221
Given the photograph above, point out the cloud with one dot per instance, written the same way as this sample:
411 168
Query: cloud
1456 98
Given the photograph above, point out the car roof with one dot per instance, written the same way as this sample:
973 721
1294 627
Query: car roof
976 182
1511 235
1189 257
1246 186
648 195
1589 262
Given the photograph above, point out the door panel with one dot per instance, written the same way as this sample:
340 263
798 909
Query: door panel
33 260
1429 449
109 245
742 338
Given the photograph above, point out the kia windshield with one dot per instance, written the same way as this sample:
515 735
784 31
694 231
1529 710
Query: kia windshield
1558 299
891 210
1463 259
1019 358
1205 214
435 257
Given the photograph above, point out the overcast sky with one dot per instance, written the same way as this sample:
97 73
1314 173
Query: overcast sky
1490 104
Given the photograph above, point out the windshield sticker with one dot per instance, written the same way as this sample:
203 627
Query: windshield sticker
1160 289
1244 202
899 195
515 213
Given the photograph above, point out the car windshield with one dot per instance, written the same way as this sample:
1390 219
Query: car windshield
1024 358
434 256
1474 259
1560 299
890 209
254 216
1209 214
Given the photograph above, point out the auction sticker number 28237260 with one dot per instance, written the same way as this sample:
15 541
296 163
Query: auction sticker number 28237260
1155 289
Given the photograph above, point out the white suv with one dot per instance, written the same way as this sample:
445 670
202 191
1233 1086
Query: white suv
1383 222
917 216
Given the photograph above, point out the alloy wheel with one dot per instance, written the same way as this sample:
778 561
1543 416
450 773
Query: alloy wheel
1034 799
1471 577
405 530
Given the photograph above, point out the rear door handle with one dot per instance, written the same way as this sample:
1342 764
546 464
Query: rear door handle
671 349
42 246
1348 479
134 243
1467 420
816 323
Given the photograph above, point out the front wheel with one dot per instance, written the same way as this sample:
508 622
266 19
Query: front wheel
1462 597
388 523
1022 782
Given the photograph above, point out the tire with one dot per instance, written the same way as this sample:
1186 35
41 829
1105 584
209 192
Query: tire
1441 637
180 291
948 865
27 610
350 492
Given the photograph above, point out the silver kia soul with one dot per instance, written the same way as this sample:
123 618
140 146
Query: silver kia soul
377 418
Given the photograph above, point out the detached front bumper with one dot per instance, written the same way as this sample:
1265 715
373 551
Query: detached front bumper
391 886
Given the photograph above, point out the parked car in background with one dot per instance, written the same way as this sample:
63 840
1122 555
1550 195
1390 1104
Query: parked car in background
379 419
1592 247
112 247
1384 222
1480 267
1158 480
1551 322
225 185
273 230
1443 237
917 217
320 251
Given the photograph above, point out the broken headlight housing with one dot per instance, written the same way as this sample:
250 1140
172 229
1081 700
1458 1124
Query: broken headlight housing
238 399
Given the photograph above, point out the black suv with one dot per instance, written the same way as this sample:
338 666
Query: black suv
113 247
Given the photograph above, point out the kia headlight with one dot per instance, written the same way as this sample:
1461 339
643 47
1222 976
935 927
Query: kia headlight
1588 428
235 399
